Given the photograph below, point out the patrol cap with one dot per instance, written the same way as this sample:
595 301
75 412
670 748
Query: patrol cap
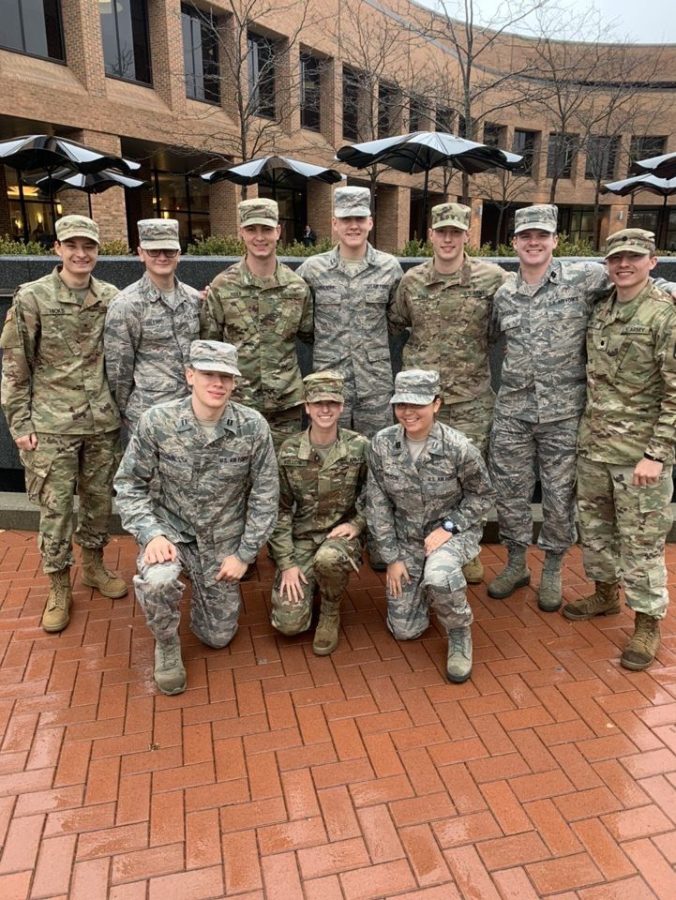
158 234
453 215
351 201
214 356
326 385
418 386
259 211
542 216
631 240
76 226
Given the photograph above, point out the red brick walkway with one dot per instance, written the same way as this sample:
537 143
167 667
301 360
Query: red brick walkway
278 775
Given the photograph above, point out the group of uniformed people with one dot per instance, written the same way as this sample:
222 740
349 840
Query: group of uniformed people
211 402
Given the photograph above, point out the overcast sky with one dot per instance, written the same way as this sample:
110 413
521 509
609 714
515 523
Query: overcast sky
653 21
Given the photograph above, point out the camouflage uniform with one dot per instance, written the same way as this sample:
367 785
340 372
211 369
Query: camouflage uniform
631 411
316 495
148 335
218 495
263 317
351 306
449 317
54 385
406 501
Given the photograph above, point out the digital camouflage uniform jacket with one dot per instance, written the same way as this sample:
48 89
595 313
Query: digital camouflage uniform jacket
219 489
147 344
631 380
407 500
449 317
316 496
351 318
262 317
53 374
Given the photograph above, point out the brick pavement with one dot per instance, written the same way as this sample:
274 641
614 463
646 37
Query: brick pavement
279 775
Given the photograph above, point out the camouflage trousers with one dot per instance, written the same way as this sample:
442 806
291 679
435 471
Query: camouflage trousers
517 450
473 418
367 416
327 567
61 466
436 581
283 423
214 611
623 529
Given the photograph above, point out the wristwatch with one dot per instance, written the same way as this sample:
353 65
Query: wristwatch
450 526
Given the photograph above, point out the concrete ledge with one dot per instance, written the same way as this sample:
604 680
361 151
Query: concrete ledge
17 513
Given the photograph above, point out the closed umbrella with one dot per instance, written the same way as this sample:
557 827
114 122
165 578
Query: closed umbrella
662 166
421 151
663 187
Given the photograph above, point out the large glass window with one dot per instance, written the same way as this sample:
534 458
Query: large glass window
389 103
602 153
124 31
32 26
561 154
310 91
643 146
31 218
443 119
200 54
525 144
351 95
577 222
182 197
494 135
417 114
262 74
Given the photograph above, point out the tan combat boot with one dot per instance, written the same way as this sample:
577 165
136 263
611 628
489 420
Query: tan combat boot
326 635
605 601
56 614
459 657
95 574
473 571
643 644
515 575
549 594
169 672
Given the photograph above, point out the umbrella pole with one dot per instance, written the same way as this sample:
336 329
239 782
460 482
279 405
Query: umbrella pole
665 224
89 201
22 206
423 211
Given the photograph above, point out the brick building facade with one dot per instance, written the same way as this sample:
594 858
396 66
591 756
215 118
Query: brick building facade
184 86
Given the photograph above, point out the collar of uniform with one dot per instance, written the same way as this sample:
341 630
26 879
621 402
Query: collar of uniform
188 423
435 440
623 312
305 448
369 256
552 273
463 276
248 276
65 294
150 290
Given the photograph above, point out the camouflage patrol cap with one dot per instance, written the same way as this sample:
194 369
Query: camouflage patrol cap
418 386
158 234
631 240
453 215
323 386
351 201
76 226
259 211
214 356
541 216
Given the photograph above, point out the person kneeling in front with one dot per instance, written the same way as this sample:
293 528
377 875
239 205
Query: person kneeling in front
212 506
428 497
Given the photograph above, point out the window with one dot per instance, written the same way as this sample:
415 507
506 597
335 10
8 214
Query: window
124 30
443 121
602 153
462 126
182 197
577 222
417 114
388 108
494 135
561 154
351 95
310 88
33 27
200 54
262 75
525 144
645 146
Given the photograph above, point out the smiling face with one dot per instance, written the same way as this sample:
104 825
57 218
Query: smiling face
448 244
534 247
260 240
324 414
160 263
78 258
629 272
353 232
416 419
211 391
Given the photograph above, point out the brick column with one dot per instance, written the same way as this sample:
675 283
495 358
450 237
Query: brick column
393 215
476 204
223 200
84 47
166 41
320 208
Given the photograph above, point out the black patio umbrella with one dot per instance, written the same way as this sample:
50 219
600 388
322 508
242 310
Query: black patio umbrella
46 152
662 166
90 183
663 187
421 151
275 172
